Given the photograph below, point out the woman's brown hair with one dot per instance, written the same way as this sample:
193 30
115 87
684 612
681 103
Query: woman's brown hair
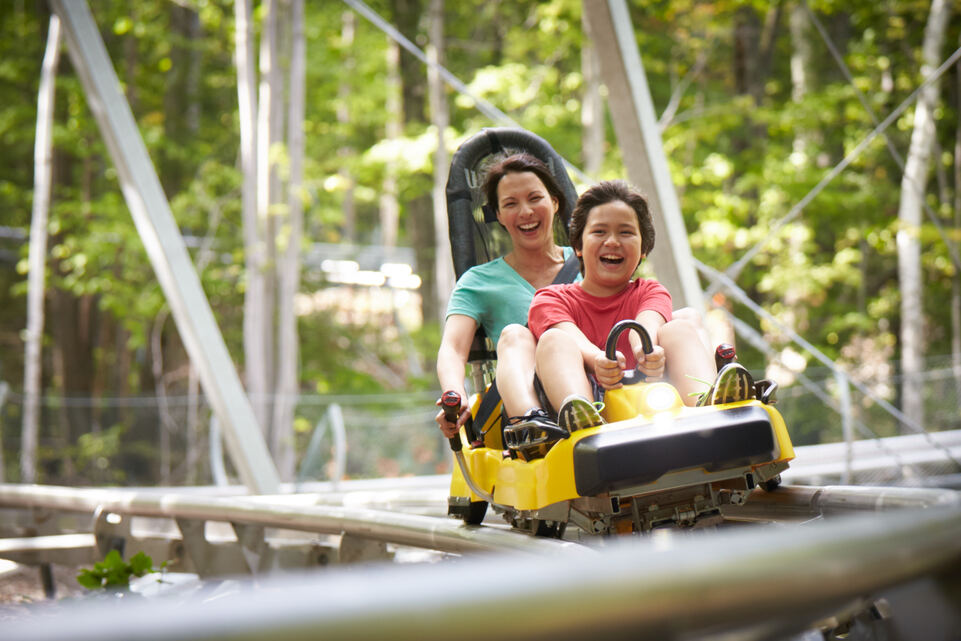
516 164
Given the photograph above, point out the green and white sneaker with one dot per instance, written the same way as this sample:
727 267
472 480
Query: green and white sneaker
578 413
733 383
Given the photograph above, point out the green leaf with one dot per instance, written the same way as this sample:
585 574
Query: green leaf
90 579
141 564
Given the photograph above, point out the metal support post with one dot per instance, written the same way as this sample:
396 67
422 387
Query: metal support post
165 247
638 136
844 396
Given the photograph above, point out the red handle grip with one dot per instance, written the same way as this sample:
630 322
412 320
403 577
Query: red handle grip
450 401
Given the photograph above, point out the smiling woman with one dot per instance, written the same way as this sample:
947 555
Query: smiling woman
496 295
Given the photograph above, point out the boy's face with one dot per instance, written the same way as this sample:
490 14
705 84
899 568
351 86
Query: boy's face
610 248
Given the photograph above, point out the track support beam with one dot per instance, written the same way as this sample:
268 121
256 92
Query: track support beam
639 138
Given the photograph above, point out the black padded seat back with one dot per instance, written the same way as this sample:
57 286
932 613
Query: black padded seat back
474 237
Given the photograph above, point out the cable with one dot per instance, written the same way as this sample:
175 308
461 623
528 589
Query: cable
723 280
952 249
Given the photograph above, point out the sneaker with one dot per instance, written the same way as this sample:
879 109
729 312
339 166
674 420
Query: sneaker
765 389
733 383
578 413
532 435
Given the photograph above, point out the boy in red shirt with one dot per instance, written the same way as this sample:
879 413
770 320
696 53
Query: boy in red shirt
612 232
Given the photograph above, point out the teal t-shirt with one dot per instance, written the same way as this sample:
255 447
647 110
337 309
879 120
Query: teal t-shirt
494 295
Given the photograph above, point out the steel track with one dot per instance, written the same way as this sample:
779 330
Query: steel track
769 581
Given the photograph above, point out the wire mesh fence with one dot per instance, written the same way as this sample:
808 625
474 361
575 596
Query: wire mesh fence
148 440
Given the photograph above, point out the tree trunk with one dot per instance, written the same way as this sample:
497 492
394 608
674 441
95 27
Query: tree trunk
956 282
73 323
165 422
344 90
193 459
389 207
269 134
913 184
443 262
420 221
4 389
747 36
43 149
181 107
289 256
753 50
802 56
407 14
592 110
254 238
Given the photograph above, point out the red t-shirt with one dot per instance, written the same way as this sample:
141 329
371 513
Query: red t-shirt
595 315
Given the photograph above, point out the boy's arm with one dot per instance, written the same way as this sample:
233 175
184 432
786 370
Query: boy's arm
587 349
651 364
593 356
652 322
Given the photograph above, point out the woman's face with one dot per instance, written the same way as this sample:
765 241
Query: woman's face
526 209
610 247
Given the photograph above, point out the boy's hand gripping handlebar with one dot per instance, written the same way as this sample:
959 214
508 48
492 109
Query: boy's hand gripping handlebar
610 348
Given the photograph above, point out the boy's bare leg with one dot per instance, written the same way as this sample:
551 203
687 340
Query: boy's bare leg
560 367
692 316
689 362
515 370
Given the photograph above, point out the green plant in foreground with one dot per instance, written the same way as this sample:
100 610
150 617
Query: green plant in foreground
114 572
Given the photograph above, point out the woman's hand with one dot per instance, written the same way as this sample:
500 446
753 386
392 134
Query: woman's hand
652 365
446 427
607 372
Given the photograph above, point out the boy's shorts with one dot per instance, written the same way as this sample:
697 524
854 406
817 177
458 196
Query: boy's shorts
596 390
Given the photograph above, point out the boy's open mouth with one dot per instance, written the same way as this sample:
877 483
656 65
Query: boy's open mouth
612 260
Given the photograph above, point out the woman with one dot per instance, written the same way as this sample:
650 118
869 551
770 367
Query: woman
496 295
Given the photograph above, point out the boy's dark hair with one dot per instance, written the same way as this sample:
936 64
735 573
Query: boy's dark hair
515 164
609 191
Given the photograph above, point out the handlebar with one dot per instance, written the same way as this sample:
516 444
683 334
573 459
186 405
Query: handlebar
610 348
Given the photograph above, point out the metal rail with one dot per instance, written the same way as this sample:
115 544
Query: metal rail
759 582
879 460
292 512
802 503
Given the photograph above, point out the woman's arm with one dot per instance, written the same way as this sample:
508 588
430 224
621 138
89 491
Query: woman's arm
451 360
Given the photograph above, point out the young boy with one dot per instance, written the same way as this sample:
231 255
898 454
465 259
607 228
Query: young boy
611 231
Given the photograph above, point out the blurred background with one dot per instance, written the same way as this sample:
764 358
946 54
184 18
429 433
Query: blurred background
794 133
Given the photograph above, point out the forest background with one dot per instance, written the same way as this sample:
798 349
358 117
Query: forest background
755 115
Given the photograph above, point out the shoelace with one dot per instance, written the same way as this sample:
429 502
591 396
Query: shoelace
514 420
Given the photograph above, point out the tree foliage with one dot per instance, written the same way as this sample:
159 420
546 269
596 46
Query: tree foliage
830 273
